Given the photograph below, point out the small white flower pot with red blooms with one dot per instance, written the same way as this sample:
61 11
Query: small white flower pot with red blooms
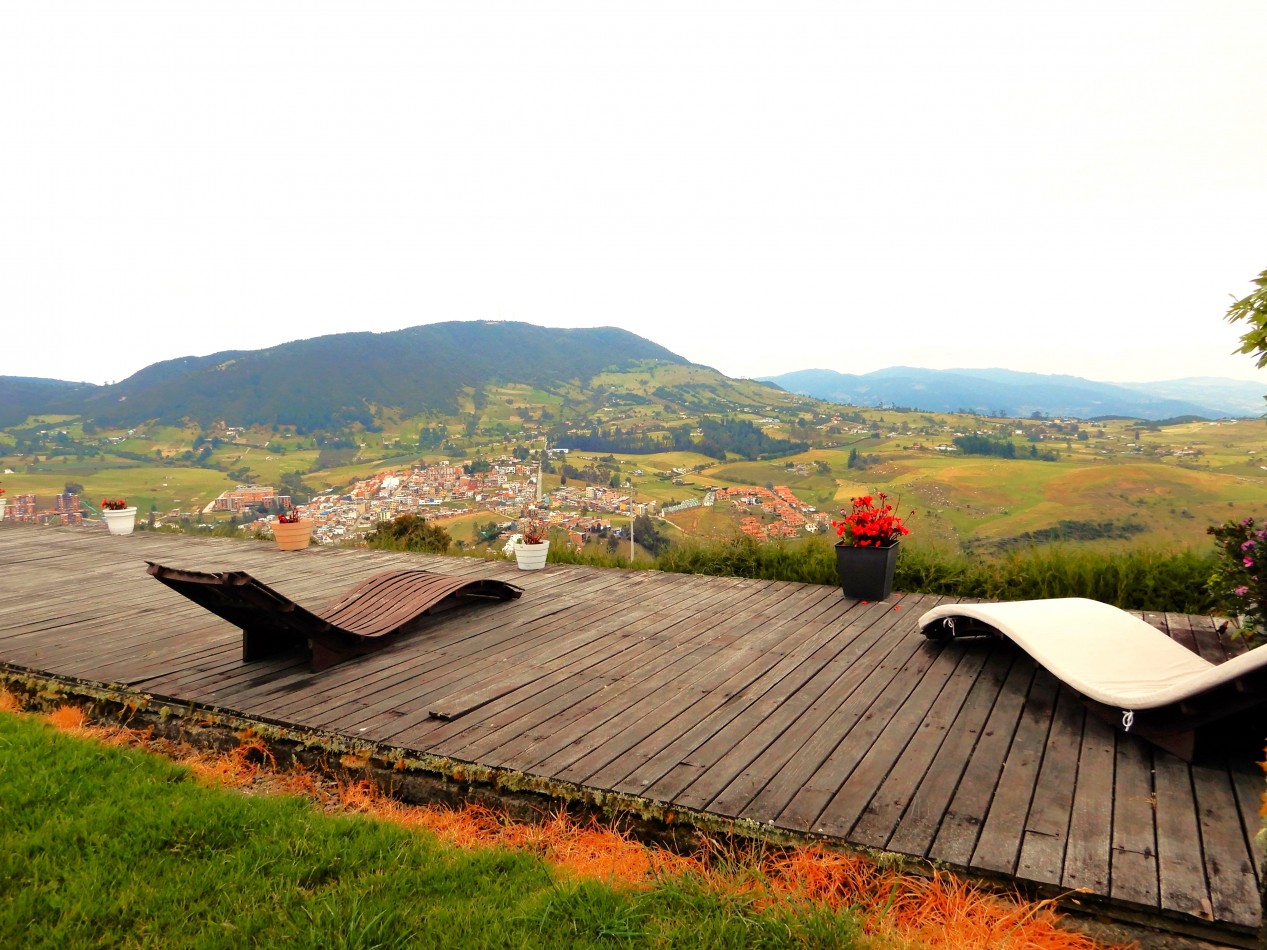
120 520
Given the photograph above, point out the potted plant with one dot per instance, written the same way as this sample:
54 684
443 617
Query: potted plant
532 546
1239 578
291 533
2 504
119 518
866 554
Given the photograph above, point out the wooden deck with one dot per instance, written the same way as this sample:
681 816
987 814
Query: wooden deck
774 703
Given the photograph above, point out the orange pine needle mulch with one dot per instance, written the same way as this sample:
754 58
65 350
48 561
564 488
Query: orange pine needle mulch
936 912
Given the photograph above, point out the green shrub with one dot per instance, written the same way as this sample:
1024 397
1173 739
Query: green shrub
410 533
1134 578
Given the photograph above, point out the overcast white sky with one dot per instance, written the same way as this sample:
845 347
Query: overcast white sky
1058 187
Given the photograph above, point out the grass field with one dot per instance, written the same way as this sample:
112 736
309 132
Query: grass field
108 844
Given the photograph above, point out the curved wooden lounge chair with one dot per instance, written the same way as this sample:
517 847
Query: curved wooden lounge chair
362 619
1123 667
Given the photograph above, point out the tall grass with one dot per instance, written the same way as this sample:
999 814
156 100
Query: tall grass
1134 578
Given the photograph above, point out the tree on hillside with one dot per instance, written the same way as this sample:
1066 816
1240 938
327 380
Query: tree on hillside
648 534
292 484
1253 310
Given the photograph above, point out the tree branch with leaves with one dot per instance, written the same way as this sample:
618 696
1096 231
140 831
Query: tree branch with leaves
1253 310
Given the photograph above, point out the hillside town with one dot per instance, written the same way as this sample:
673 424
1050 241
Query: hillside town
508 489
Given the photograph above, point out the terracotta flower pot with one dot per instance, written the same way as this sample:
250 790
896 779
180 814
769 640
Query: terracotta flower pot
292 537
866 573
120 521
531 557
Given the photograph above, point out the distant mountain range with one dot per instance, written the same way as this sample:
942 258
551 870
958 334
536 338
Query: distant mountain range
1002 392
455 369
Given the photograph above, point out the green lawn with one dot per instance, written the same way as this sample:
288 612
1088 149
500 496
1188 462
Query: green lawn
116 847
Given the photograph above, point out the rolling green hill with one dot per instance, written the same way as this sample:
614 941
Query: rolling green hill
318 414
330 382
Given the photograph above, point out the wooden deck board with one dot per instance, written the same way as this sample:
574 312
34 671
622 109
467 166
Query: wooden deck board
771 702
924 811
655 677
1180 868
1233 885
359 690
797 705
1089 848
1133 870
644 730
1042 854
534 725
998 847
965 814
877 792
835 795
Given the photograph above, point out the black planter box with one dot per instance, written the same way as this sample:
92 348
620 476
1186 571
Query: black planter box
866 573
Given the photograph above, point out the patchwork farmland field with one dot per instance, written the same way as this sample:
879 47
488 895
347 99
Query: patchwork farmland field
1103 482
1156 486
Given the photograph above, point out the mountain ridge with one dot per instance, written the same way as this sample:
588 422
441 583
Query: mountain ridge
1017 394
339 379
451 368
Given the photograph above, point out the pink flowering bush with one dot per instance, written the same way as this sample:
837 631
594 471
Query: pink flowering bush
1239 579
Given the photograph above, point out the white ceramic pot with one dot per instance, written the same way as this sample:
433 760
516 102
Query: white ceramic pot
3 502
121 521
531 557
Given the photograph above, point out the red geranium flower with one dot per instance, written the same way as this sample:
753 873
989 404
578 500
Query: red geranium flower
871 522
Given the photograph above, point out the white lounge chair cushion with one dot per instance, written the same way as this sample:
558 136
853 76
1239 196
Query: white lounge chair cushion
1106 654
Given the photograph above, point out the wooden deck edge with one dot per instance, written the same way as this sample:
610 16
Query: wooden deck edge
422 778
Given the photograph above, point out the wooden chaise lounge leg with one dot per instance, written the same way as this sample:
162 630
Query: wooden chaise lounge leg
261 642
321 656
326 651
1179 743
1169 736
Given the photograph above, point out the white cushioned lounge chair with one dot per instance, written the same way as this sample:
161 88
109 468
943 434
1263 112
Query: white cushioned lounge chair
1122 666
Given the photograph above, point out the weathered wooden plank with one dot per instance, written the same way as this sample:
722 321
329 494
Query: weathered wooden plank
730 755
898 775
1230 864
790 663
1181 870
432 658
785 746
961 825
1089 848
656 612
681 729
1047 829
689 681
1247 783
545 739
845 783
1133 872
781 689
998 848
922 817
523 691
1201 638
